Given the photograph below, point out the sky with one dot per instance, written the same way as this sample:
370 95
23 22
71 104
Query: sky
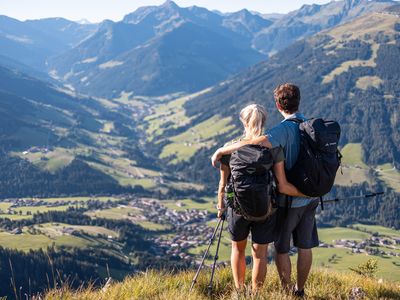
98 10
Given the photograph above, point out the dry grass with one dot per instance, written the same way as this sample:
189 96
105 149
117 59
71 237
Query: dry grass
370 23
368 81
352 176
154 285
390 175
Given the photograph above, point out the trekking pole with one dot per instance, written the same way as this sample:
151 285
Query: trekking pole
205 255
216 257
355 197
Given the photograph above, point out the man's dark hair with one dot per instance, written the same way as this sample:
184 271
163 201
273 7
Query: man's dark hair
287 95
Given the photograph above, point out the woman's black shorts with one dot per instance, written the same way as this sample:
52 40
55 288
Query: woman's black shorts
261 232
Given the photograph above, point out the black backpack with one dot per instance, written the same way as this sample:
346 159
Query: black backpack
319 158
251 184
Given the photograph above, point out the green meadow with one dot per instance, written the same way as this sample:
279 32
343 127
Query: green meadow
353 155
181 205
342 259
115 213
328 235
390 175
379 229
133 214
355 171
27 241
55 230
183 146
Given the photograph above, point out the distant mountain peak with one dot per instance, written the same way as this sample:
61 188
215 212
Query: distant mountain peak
244 11
170 4
308 10
352 3
83 21
163 11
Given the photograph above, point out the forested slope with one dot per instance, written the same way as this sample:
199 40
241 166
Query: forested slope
346 74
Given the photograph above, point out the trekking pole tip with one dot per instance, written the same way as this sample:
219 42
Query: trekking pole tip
209 291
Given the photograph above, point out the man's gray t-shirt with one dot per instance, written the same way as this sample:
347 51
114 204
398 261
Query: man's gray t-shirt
287 136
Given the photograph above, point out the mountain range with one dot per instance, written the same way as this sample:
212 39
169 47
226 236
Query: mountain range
310 19
32 42
144 51
39 120
161 49
165 49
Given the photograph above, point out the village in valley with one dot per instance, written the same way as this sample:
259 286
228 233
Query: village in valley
369 246
174 231
180 229
188 227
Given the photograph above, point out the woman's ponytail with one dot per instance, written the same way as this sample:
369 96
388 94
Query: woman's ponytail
253 118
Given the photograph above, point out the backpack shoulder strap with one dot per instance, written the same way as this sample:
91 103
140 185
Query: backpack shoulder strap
295 120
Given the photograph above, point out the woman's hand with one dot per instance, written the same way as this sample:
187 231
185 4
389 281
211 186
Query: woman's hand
216 157
221 211
224 172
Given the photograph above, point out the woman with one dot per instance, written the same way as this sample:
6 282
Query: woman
253 119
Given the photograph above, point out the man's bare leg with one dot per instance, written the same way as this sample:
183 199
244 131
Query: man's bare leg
260 257
304 261
284 269
238 262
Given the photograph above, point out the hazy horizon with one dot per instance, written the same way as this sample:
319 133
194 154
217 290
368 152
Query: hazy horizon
115 10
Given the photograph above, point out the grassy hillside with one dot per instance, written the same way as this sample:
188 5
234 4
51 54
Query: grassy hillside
153 285
356 171
28 241
47 129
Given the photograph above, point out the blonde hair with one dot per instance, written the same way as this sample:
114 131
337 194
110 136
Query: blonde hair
253 118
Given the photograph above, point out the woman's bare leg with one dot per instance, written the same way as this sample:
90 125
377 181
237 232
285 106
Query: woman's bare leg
238 262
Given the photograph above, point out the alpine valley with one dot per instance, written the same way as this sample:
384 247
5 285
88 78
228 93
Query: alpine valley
106 133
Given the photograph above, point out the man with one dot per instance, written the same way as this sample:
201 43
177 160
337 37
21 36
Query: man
295 216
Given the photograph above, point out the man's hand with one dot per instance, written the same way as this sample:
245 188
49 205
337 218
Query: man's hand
216 157
261 140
